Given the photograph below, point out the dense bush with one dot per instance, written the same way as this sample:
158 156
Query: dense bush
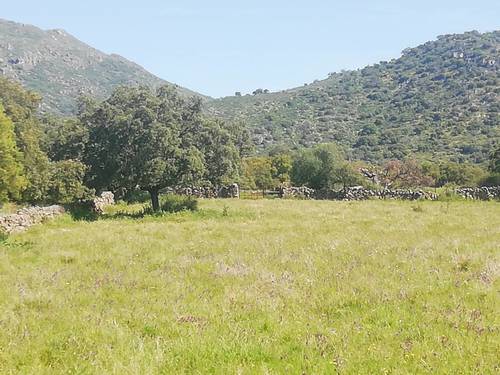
177 203
324 167
12 180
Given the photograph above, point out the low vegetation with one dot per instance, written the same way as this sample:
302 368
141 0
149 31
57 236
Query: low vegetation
266 286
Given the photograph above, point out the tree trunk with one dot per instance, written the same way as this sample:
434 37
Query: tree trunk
155 202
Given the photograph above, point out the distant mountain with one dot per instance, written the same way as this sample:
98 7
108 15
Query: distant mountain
60 67
438 100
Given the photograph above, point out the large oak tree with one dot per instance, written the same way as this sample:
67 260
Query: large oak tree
140 139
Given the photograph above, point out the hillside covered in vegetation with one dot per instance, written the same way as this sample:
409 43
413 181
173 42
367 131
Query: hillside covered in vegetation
437 101
61 68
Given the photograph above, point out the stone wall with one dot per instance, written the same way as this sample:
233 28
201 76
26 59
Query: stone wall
302 192
98 204
230 191
354 193
360 193
484 193
27 217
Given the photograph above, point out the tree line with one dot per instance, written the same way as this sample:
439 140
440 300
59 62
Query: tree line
325 167
148 140
137 139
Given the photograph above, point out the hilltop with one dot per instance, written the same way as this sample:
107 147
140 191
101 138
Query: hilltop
60 67
438 100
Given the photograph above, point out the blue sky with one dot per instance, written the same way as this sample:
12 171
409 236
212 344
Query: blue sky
218 47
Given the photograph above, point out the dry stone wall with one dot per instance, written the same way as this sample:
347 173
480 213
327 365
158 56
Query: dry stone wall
230 191
27 217
484 193
302 192
98 204
360 193
354 193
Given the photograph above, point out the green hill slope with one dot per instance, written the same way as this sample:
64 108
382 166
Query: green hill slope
438 100
60 67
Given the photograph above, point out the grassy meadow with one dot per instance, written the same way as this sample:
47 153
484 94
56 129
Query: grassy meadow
257 287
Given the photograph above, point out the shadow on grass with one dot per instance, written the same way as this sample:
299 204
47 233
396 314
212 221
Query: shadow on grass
81 212
125 215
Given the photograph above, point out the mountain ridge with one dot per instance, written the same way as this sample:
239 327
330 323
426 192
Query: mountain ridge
60 67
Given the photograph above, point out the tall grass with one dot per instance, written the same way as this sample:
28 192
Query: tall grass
265 286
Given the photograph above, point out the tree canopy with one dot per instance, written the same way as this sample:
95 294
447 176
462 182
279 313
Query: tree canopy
151 140
318 167
12 180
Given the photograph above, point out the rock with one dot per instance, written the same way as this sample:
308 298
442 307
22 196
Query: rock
231 191
98 204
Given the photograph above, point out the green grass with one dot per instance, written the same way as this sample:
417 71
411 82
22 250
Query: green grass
257 287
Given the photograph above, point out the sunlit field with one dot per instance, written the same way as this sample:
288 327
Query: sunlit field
257 287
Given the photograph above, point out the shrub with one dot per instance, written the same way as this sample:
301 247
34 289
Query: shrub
177 203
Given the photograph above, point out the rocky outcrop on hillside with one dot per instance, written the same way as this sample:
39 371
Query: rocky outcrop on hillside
27 217
61 68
